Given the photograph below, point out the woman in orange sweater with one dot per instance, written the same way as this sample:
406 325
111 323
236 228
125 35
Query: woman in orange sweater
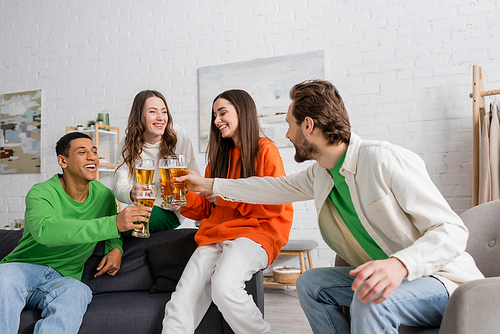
235 240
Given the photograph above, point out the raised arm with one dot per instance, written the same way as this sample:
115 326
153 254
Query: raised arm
48 226
257 190
197 183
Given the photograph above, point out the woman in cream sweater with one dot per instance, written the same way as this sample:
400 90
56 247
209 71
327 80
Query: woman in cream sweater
151 134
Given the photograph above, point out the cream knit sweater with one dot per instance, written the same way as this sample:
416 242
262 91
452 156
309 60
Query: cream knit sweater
123 183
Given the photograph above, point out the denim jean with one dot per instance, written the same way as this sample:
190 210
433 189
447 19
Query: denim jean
63 300
323 291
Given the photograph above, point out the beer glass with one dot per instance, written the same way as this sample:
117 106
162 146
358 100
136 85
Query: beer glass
176 168
144 171
146 195
168 193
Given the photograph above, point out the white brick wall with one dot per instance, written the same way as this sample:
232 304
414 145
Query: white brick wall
403 67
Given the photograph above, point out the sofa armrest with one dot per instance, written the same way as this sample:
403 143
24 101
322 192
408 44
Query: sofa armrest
473 308
258 280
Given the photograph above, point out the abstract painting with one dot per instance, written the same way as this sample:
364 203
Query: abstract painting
20 123
267 80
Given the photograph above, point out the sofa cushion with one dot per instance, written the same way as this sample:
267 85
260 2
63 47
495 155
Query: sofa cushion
8 241
134 274
119 312
168 260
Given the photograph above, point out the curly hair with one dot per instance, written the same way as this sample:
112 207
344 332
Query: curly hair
219 151
64 143
134 134
321 101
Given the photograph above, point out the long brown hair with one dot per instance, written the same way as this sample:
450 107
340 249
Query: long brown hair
134 134
321 101
220 150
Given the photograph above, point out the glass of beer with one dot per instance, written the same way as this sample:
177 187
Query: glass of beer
168 193
146 195
144 171
177 167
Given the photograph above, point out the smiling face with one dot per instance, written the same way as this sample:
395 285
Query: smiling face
81 162
304 150
226 120
155 118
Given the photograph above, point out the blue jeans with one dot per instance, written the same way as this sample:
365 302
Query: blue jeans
63 300
323 291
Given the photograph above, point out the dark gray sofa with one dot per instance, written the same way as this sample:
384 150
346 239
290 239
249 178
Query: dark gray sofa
123 304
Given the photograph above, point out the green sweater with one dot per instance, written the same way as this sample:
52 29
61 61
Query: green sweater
62 233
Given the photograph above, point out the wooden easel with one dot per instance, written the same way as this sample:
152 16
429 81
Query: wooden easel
478 112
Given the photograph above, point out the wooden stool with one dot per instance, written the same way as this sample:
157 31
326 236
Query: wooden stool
296 247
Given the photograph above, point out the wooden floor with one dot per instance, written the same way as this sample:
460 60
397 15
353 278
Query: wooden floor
283 312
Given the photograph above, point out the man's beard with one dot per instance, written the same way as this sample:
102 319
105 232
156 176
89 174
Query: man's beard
304 150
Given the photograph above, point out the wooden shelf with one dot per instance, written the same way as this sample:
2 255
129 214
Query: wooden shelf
268 280
301 253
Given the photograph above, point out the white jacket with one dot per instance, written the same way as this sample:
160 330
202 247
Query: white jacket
123 183
395 199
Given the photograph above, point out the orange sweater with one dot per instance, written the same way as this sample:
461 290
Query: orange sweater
268 225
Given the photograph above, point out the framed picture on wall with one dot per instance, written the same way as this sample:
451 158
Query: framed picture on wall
20 122
267 80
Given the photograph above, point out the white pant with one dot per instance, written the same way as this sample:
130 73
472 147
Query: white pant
218 272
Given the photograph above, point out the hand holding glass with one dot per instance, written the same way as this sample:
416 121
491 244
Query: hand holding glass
146 195
174 193
168 193
144 171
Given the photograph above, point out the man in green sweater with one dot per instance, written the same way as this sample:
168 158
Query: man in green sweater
65 218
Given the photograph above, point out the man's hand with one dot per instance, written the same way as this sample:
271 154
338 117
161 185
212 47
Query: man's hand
382 275
125 219
197 183
110 263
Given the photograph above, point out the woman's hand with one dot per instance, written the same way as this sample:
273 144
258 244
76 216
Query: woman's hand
162 188
212 198
133 193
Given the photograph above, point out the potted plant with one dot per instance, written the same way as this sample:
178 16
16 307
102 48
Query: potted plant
100 120
90 124
79 127
18 224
